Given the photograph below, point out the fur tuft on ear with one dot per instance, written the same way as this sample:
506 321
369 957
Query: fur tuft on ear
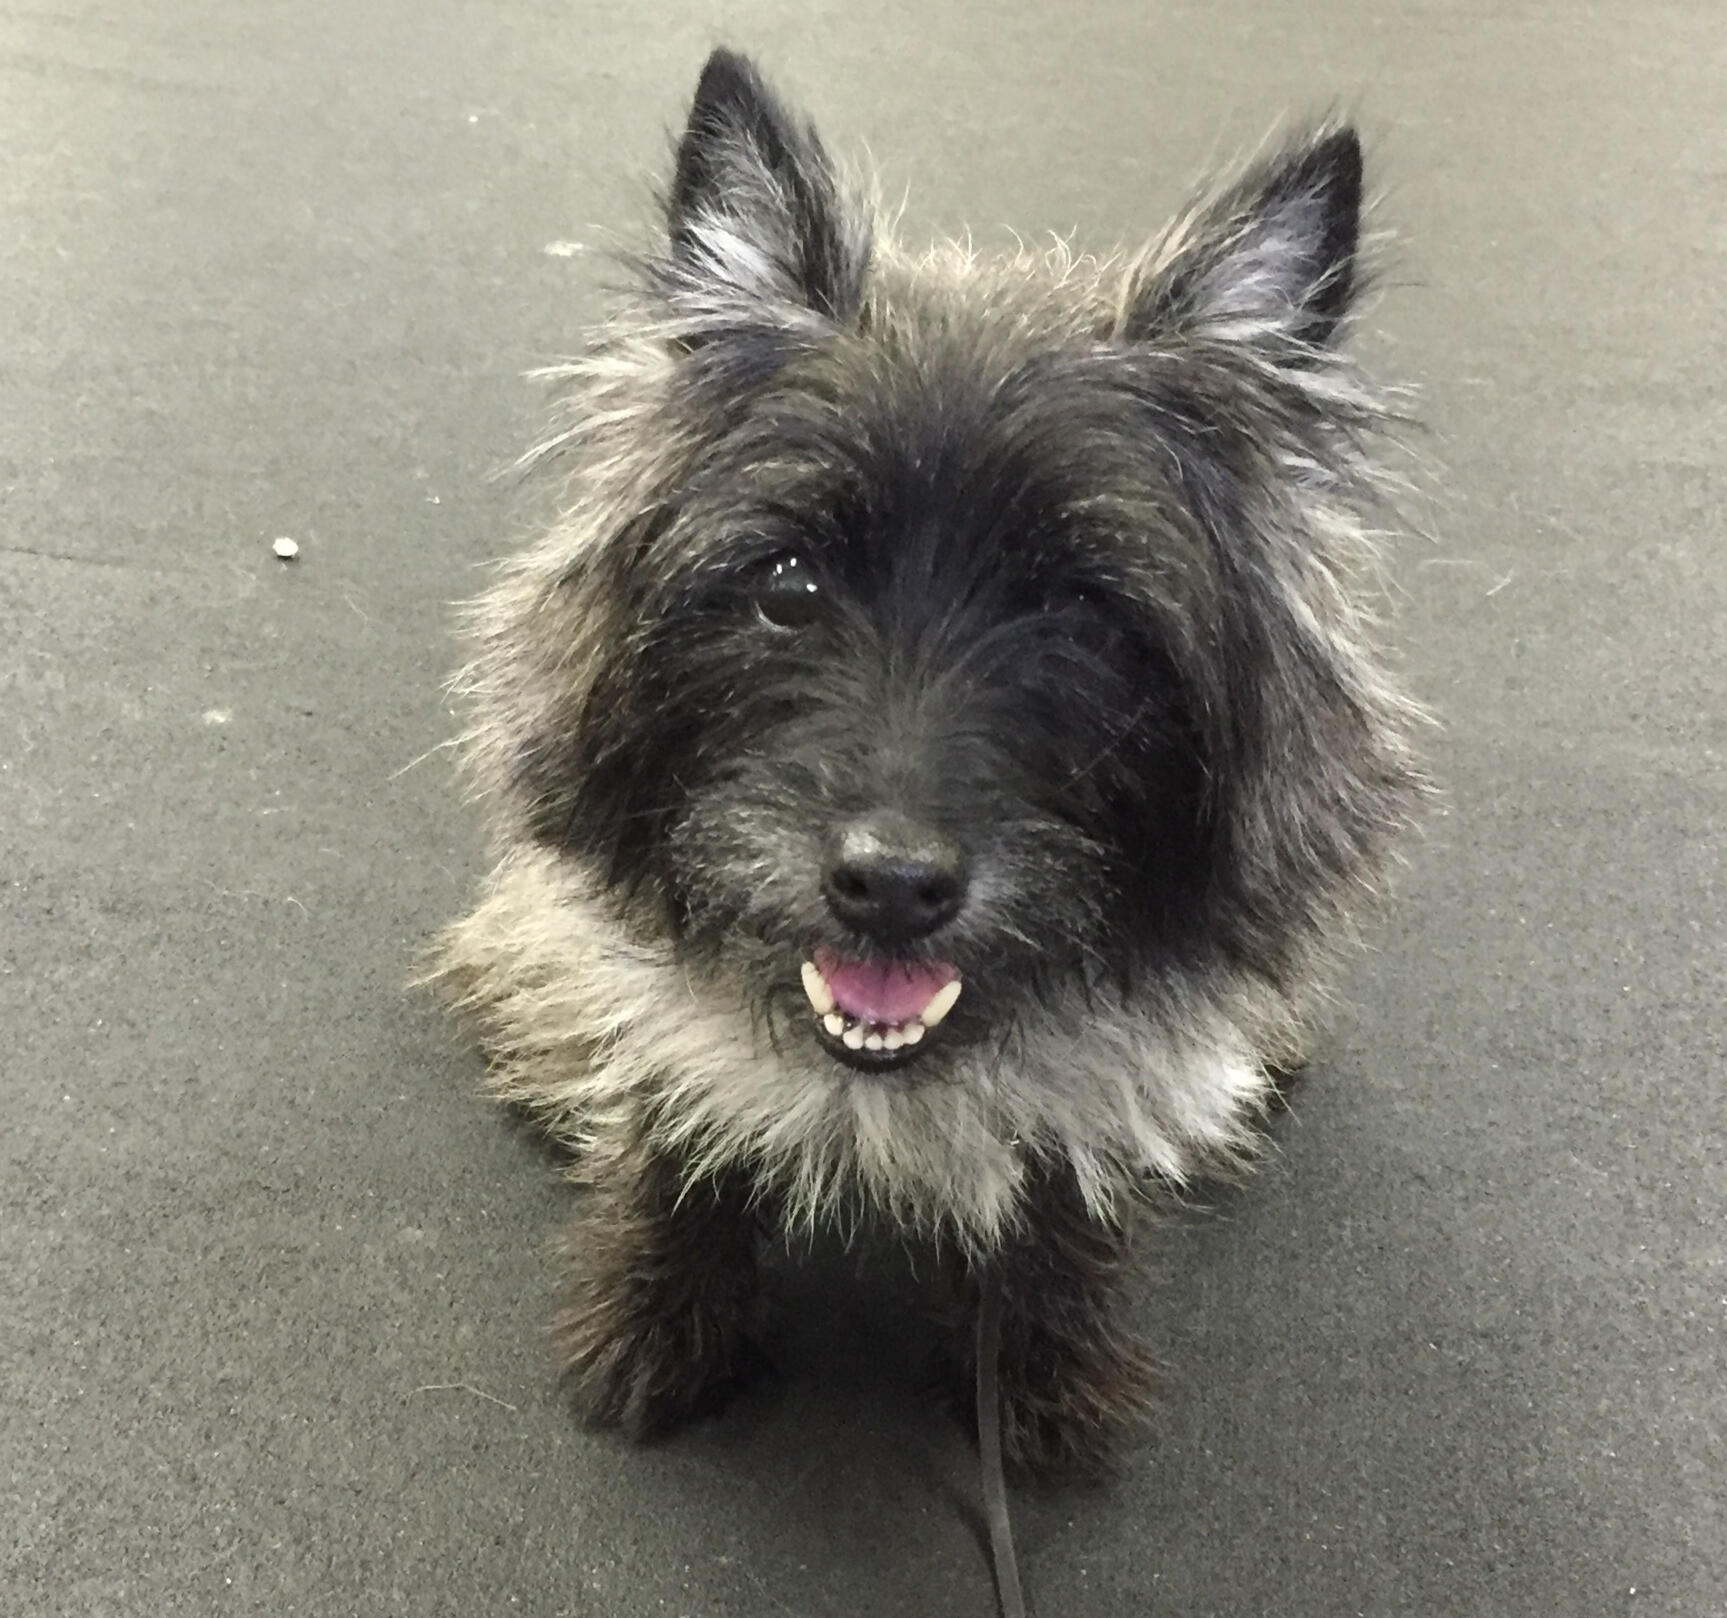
755 212
1271 263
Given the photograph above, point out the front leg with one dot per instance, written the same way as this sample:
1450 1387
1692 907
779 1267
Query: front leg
659 1294
1073 1379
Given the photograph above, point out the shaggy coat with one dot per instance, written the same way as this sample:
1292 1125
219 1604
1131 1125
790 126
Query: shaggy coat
1048 582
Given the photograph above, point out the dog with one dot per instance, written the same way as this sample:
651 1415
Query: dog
934 759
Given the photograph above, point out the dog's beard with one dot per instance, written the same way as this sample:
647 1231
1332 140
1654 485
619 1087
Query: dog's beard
600 1024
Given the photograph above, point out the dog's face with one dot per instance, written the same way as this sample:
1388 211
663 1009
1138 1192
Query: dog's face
967 635
902 712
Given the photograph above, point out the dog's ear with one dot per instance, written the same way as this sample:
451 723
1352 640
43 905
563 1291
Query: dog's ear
1271 263
755 212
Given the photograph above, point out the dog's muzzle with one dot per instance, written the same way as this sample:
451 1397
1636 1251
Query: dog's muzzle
892 882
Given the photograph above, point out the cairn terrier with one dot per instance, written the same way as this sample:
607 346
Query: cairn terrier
933 758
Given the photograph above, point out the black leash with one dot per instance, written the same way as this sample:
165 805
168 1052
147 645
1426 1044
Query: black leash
1007 1589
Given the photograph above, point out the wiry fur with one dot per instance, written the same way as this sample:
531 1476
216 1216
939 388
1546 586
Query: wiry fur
1100 599
617 1029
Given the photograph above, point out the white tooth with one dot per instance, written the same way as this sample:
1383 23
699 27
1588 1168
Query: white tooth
834 1023
873 1042
892 1040
940 1004
854 1037
912 1032
816 987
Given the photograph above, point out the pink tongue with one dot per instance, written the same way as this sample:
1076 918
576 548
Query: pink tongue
882 991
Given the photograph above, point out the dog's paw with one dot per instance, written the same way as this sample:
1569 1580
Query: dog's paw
1064 1415
646 1374
1067 1420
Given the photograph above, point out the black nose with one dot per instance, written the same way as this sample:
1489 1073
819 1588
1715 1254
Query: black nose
892 879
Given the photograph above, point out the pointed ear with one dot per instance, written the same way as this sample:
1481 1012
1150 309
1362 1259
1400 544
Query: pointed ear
1270 263
754 209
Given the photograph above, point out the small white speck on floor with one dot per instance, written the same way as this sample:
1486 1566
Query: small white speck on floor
563 249
285 547
217 716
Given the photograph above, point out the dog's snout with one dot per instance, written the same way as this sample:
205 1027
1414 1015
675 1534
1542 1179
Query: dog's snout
893 880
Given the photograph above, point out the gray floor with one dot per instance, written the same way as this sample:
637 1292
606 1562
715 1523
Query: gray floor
272 1281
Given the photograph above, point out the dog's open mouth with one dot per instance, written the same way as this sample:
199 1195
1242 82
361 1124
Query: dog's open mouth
877 1014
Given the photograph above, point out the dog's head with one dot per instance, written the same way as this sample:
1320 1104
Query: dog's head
927 634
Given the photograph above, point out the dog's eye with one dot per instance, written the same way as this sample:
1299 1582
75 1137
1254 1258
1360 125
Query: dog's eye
788 596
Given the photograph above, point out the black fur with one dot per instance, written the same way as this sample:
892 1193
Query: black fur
1070 1375
658 1318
